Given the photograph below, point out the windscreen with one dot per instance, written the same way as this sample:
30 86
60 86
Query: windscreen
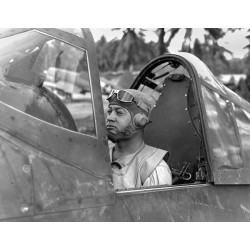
36 59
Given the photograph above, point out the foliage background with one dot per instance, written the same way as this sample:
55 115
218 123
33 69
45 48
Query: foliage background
131 53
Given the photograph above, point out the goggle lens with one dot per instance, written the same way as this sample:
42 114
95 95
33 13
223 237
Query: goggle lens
122 95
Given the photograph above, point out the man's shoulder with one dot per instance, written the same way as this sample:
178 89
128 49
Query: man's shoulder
153 150
154 157
163 166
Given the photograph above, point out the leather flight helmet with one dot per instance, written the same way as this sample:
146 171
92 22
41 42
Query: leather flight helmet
139 105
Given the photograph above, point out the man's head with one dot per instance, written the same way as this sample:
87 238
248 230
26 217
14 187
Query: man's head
128 113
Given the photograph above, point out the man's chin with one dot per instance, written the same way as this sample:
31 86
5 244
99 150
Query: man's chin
117 137
112 137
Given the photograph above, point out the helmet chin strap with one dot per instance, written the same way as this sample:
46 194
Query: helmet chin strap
125 134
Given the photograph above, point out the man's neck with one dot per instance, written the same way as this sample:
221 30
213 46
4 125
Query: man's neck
129 146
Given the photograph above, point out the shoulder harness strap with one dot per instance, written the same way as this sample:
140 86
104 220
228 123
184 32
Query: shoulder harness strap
151 163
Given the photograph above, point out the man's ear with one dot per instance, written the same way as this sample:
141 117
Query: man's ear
140 120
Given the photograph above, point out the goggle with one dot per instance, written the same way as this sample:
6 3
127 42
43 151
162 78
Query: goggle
125 96
121 95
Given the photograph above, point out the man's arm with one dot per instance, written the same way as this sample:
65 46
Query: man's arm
160 176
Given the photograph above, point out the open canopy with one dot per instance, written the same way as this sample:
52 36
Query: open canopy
219 116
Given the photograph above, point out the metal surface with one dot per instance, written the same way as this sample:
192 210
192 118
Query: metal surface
171 128
175 119
183 203
65 170
196 202
56 182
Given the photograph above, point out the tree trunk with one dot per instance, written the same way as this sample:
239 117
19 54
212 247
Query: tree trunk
161 44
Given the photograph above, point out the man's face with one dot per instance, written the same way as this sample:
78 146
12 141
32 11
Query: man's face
118 118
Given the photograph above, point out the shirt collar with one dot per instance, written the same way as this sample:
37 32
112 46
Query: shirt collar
127 159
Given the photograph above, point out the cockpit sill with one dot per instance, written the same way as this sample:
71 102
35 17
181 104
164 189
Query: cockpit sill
152 189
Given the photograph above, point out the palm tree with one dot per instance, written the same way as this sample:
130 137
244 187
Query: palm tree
212 55
161 45
203 51
132 50
214 33
106 53
247 58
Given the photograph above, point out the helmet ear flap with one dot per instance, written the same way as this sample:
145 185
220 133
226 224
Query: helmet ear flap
140 120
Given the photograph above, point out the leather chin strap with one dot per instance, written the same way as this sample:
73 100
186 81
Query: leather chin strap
127 133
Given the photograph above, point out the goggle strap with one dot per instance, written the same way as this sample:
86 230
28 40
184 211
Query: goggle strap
113 91
142 105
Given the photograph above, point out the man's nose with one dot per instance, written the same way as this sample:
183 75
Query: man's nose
111 117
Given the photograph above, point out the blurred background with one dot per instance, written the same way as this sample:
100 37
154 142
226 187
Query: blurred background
123 52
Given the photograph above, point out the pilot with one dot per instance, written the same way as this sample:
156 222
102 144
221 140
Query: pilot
134 163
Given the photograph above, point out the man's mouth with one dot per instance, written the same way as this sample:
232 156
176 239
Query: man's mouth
109 126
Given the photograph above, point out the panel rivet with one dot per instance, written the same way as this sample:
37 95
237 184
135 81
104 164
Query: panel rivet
24 208
26 168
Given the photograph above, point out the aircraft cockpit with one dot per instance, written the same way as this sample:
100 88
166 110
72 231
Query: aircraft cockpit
175 124
55 163
197 119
